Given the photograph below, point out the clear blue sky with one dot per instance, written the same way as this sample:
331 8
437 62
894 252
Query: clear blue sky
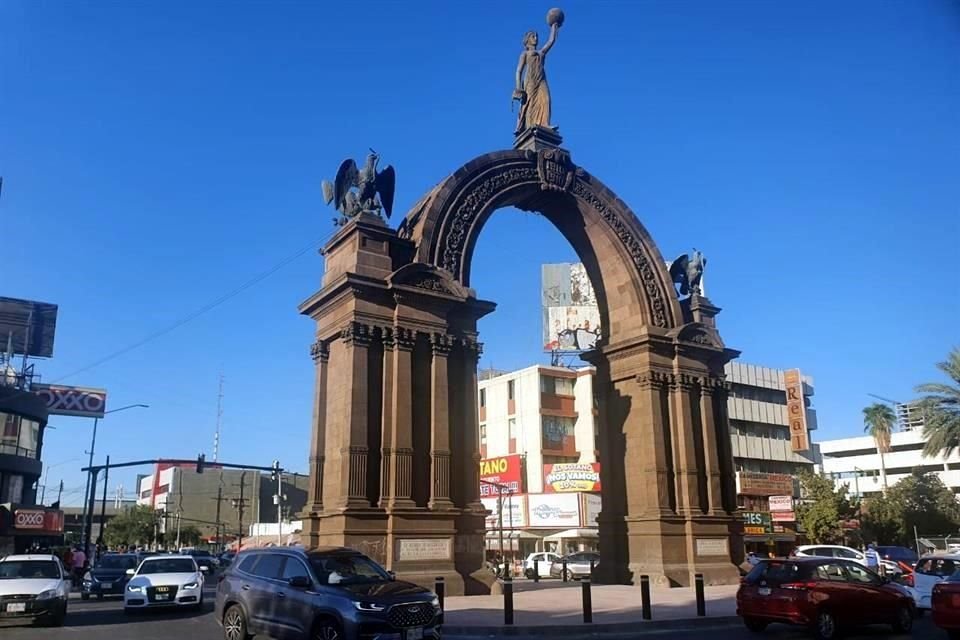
158 155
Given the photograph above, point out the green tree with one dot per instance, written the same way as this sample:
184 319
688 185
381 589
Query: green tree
878 421
134 526
920 500
823 509
190 536
884 520
941 407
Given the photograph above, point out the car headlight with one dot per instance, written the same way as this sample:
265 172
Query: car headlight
48 594
435 602
369 606
133 588
191 585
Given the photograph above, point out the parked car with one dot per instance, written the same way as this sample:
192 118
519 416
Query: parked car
164 581
226 558
824 594
929 571
946 606
539 562
899 555
34 588
204 559
838 551
578 565
108 576
321 593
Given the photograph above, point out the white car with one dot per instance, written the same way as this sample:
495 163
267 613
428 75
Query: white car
34 587
839 551
545 559
164 581
929 571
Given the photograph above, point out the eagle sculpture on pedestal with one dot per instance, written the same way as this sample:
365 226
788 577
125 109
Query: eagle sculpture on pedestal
355 191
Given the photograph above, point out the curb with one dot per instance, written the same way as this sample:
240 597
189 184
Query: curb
580 630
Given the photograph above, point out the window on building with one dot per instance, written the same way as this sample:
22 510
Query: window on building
511 390
483 397
560 459
483 434
557 431
556 386
512 428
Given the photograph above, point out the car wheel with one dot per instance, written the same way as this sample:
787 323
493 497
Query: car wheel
825 626
568 576
84 596
235 624
755 625
326 629
904 620
59 618
528 573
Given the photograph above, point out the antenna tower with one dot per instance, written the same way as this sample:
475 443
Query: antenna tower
216 436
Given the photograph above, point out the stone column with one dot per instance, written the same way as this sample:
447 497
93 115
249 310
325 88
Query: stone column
320 353
685 454
655 469
353 445
440 344
401 444
711 449
471 428
386 443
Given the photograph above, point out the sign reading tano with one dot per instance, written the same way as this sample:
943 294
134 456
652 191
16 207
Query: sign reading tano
505 471
796 410
571 476
752 483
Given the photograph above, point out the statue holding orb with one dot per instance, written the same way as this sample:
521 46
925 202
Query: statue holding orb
531 90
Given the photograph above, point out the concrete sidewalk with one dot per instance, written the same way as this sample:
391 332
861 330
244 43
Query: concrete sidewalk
615 607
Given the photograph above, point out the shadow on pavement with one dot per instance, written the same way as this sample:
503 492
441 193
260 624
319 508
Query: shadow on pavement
78 617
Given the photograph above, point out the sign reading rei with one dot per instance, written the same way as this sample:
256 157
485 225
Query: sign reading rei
796 410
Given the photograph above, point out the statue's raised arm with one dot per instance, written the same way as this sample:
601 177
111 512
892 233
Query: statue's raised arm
554 30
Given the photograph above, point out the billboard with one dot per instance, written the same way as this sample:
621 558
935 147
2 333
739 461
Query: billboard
72 401
571 476
591 510
514 511
756 523
781 503
556 510
27 326
505 470
755 483
571 317
796 410
47 520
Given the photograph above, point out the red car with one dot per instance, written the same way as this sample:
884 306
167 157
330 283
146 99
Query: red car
824 594
946 606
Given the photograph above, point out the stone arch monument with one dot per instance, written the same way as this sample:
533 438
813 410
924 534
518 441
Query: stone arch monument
394 453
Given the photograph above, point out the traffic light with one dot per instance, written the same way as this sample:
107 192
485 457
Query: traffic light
275 474
201 460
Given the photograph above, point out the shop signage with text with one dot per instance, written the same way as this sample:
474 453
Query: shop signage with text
783 516
560 510
781 503
756 523
38 520
753 483
505 470
571 476
796 410
72 401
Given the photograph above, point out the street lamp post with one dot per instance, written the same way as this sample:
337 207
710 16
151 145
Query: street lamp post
87 509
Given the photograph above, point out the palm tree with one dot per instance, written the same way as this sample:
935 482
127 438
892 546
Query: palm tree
878 421
941 407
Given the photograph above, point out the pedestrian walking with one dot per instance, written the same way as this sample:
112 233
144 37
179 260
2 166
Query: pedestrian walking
79 565
873 559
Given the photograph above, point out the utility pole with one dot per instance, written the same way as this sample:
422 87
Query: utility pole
240 504
277 476
178 531
219 499
59 493
216 435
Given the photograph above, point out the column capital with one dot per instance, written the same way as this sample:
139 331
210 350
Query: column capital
654 379
441 344
710 385
404 338
357 333
320 351
472 347
684 381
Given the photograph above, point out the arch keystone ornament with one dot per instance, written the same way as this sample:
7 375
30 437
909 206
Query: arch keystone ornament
395 446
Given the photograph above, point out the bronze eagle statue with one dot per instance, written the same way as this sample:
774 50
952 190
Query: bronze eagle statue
355 191
687 271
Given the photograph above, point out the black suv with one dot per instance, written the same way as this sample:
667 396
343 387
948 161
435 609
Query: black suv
321 594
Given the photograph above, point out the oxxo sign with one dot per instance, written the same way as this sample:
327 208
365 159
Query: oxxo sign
72 401
28 519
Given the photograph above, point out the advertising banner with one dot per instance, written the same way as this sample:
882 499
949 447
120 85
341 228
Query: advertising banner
556 510
783 516
514 512
63 400
796 410
505 470
757 523
754 483
781 503
591 509
571 317
571 476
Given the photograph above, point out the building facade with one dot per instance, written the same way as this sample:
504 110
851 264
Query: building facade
855 462
538 440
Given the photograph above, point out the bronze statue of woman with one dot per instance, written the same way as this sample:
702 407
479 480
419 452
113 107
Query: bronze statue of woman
531 88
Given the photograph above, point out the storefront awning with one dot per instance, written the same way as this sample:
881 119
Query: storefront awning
574 534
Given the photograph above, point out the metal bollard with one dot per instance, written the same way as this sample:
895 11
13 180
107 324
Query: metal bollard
507 600
564 569
587 601
536 570
439 589
701 605
645 597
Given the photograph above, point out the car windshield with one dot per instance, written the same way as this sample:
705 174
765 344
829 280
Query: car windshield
117 562
29 569
348 569
168 565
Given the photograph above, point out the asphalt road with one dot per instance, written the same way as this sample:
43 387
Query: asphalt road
99 620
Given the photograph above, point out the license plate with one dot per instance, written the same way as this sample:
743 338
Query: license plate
16 607
764 591
106 585
416 633
163 596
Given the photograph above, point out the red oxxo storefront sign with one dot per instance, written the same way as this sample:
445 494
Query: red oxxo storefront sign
38 520
505 471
